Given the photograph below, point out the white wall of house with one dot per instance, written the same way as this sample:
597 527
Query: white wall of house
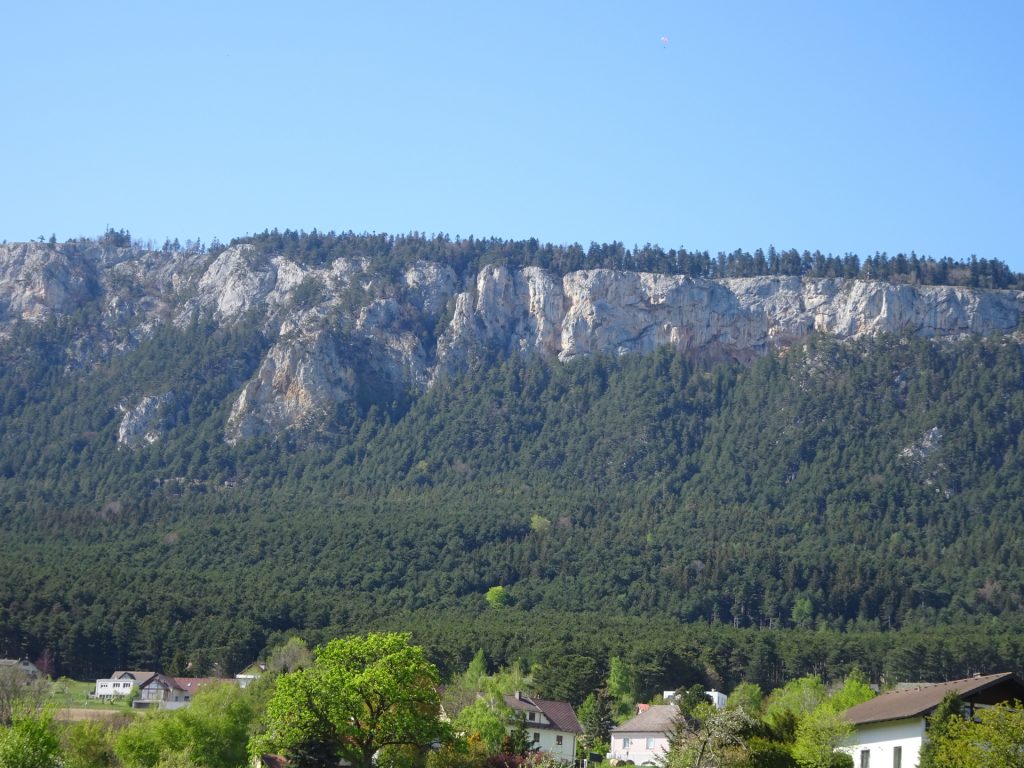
559 744
880 740
642 747
109 688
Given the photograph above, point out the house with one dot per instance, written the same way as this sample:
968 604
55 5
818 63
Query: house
120 684
645 739
552 725
250 673
23 666
166 692
717 698
890 729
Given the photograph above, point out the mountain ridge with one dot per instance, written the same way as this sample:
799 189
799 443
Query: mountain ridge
342 321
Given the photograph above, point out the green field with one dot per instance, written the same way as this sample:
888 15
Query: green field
74 694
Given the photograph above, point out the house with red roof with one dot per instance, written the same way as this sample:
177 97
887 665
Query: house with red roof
552 725
890 729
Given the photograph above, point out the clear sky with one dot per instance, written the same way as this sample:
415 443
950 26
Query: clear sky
862 126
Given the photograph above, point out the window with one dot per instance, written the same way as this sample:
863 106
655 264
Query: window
536 738
531 716
897 757
625 742
650 742
558 740
865 759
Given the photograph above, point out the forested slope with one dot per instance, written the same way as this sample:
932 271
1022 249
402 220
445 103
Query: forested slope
872 485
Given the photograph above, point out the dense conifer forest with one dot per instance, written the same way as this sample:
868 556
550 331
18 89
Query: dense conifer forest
835 505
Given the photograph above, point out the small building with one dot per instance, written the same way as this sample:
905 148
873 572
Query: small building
21 666
166 692
715 697
250 673
552 725
890 729
121 683
644 740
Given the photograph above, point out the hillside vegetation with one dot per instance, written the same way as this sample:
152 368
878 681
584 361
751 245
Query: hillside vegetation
845 487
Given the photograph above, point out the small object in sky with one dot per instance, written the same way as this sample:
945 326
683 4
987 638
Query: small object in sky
664 39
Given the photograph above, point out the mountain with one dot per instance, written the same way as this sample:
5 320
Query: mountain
342 329
202 449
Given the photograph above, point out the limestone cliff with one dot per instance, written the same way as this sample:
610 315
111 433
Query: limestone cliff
343 326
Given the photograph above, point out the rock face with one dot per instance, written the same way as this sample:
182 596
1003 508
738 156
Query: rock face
738 319
144 423
38 280
342 329
300 380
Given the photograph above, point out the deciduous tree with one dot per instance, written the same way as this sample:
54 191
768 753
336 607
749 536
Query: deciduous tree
360 695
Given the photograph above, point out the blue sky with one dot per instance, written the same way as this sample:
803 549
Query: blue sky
842 126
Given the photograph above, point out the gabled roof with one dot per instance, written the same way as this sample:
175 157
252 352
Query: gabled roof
24 663
186 684
921 701
658 719
139 675
560 713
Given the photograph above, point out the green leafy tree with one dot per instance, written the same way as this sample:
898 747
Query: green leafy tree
213 730
822 730
817 736
498 597
31 741
88 744
748 697
293 655
994 739
483 720
361 694
949 710
788 705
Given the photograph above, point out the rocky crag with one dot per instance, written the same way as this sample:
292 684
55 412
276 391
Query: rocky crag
339 325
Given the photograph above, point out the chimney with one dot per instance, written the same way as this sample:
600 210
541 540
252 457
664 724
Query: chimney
519 695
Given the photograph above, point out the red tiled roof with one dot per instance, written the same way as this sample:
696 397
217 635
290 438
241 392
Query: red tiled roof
185 683
193 683
917 702
560 713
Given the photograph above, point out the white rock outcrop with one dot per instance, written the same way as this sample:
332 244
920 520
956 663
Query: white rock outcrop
341 329
300 380
736 319
144 422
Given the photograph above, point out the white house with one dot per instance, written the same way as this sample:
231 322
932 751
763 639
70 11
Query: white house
890 729
645 739
717 698
120 684
551 725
